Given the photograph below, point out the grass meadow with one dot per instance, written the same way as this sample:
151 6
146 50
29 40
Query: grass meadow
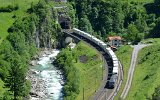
146 76
90 71
6 19
124 55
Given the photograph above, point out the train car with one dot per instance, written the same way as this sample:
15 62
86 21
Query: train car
76 30
115 70
95 40
114 59
112 81
103 45
112 55
115 63
82 33
88 36
107 50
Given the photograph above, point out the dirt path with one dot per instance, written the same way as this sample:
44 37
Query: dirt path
131 69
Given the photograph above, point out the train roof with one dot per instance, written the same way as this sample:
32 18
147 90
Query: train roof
113 78
84 33
111 52
109 49
104 43
116 65
114 59
115 71
88 35
114 56
115 68
115 62
96 39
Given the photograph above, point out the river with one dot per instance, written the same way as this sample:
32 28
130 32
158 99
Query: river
49 76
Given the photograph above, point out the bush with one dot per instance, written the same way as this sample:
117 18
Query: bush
9 8
156 94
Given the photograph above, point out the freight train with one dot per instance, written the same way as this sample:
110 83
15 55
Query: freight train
113 79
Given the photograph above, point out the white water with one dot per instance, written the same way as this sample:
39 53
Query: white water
51 77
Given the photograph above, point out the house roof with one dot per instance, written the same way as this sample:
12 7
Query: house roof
114 38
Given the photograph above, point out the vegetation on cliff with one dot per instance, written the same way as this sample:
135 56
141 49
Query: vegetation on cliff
36 30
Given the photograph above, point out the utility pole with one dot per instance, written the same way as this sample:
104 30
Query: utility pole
83 85
83 93
105 95
102 66
96 80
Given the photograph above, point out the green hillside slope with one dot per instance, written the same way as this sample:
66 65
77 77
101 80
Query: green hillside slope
6 18
146 76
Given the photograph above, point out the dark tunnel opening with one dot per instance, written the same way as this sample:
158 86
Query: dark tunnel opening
65 25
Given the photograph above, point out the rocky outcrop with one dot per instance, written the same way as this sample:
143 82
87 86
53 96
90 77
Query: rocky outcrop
37 85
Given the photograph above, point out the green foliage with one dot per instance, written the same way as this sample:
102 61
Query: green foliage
146 76
156 2
112 16
64 61
124 54
21 45
74 69
9 8
155 32
156 95
16 78
151 41
133 34
8 18
26 88
85 25
7 95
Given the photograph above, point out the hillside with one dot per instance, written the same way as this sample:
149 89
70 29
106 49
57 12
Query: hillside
6 18
145 1
146 75
21 46
83 71
27 26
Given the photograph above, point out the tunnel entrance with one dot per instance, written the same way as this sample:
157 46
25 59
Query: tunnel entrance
65 25
64 21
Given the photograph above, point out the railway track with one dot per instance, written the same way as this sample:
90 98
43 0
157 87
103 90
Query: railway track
108 94
103 93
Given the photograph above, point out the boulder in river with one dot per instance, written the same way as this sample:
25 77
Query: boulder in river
33 63
33 94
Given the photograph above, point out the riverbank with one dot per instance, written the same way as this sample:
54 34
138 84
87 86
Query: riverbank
46 80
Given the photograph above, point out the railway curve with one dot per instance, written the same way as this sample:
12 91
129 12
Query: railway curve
104 92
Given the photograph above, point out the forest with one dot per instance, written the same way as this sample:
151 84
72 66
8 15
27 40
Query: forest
132 20
26 37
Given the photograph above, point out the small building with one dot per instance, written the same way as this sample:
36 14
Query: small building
114 41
